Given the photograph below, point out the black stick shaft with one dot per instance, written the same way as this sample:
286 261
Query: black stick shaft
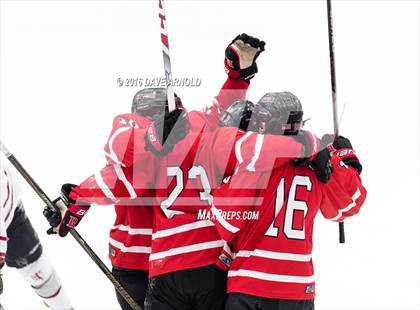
73 232
342 237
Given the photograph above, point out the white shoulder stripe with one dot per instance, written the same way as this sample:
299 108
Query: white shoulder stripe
257 151
270 276
238 145
112 154
104 188
122 178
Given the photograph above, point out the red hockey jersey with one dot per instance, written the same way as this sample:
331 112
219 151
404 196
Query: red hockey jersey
273 245
197 165
130 236
181 183
127 134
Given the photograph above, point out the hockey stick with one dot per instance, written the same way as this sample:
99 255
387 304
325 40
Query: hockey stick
166 56
73 232
342 237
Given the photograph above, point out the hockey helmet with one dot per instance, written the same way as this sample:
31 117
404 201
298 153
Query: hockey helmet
151 102
279 113
238 115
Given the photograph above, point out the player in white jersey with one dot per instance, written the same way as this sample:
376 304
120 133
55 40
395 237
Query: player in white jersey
20 247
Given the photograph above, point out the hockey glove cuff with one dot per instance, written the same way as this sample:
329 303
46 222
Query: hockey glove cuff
68 215
343 148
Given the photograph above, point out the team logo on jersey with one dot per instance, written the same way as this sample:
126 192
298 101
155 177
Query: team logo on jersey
225 260
310 289
112 252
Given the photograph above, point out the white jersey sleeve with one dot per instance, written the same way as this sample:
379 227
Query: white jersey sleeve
10 196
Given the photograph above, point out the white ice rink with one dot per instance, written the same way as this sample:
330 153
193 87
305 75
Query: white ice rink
59 65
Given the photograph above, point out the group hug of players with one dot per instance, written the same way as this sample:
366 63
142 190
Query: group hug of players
164 168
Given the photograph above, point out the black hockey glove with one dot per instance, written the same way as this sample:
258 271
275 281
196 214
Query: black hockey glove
53 216
165 132
344 150
240 57
68 215
322 166
313 156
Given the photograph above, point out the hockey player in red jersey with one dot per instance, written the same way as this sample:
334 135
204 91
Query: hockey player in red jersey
149 104
126 239
130 236
272 267
184 249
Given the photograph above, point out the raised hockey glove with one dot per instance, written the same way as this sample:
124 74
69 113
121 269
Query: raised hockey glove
69 214
165 132
343 148
240 57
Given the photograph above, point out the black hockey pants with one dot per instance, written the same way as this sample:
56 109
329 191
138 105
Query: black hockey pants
202 288
135 283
